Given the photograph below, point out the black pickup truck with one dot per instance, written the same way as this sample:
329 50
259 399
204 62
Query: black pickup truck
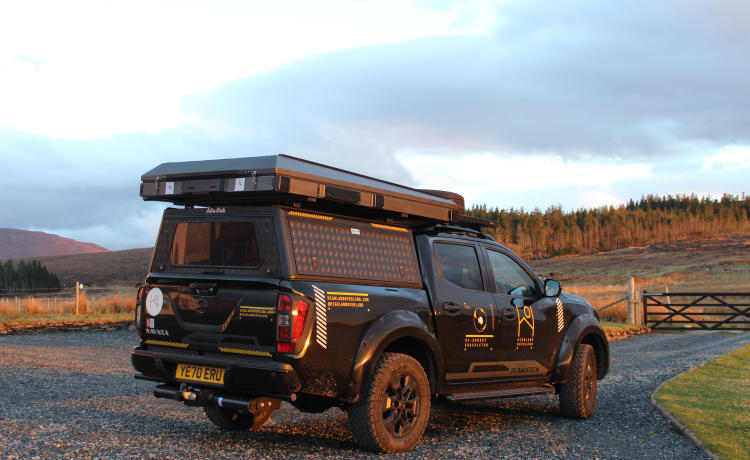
321 304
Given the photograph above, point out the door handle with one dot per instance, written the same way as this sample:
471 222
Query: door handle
509 313
203 289
451 308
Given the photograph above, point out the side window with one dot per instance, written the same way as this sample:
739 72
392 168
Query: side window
459 265
510 278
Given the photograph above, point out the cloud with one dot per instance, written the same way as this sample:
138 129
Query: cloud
508 180
89 189
74 188
89 68
572 103
621 79
727 159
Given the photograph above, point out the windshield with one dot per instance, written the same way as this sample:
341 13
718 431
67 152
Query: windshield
225 243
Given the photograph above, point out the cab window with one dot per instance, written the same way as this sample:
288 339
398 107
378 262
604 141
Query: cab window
510 278
459 265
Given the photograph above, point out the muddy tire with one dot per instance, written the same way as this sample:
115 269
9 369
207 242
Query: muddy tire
394 407
578 394
236 421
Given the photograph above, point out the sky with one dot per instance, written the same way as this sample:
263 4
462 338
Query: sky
516 103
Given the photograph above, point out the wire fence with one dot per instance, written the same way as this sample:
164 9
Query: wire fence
89 300
66 291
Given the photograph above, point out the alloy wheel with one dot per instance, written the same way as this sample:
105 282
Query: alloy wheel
401 405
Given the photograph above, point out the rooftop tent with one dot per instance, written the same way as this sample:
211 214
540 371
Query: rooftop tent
286 179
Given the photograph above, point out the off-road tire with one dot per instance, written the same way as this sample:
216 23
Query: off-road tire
578 394
397 381
236 421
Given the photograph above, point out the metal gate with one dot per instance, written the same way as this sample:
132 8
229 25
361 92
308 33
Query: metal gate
697 311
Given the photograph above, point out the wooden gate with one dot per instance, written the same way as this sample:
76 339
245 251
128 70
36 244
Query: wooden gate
697 311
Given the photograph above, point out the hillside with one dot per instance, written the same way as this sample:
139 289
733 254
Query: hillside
539 234
717 264
19 244
100 269
709 264
688 264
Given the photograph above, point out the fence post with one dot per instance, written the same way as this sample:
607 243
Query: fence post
642 309
631 301
638 306
76 298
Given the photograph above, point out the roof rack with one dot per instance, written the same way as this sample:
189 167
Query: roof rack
285 179
445 228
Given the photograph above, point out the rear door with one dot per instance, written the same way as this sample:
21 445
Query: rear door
465 312
214 282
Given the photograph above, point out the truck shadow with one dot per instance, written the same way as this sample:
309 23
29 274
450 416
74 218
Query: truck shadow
292 430
491 414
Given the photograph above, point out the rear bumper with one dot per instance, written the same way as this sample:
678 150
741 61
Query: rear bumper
244 376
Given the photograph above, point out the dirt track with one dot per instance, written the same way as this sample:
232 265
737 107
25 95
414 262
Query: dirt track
72 394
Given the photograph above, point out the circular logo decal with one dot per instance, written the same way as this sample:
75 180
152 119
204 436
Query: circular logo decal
154 301
480 319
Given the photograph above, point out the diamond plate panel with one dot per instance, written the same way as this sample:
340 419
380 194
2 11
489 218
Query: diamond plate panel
342 248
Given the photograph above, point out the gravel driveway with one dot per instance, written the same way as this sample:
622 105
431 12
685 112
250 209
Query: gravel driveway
73 394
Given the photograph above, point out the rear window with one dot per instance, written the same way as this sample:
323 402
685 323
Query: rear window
223 244
459 265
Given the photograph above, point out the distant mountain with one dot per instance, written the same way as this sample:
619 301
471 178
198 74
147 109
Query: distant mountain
104 269
19 244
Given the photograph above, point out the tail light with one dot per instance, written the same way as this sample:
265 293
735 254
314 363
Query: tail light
291 316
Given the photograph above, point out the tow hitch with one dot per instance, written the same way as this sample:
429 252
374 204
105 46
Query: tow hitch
200 397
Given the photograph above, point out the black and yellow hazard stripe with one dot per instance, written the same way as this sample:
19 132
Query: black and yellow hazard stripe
243 351
166 343
309 215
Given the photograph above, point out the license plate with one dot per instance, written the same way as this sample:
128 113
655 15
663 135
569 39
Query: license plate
200 373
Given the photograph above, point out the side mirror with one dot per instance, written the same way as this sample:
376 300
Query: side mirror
552 288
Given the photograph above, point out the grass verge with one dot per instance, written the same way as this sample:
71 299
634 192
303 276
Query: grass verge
618 331
713 402
614 330
616 325
65 317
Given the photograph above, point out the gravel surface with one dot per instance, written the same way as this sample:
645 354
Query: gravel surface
73 395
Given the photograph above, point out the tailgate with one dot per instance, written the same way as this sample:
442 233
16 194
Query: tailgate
213 315
214 282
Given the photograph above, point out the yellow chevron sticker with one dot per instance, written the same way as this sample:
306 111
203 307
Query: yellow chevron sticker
389 227
241 351
310 216
165 343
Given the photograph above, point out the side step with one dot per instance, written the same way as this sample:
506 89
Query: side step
496 394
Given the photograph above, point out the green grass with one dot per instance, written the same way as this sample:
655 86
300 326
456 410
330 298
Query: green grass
713 402
65 317
616 325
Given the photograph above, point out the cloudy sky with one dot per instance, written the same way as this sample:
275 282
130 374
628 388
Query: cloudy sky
511 103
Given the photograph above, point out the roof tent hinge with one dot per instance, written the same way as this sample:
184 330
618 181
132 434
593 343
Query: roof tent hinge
283 185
